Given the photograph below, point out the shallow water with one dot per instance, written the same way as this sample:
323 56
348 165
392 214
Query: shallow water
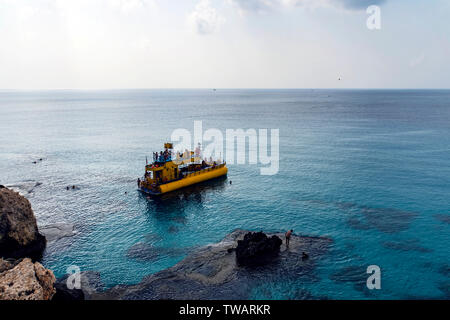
369 169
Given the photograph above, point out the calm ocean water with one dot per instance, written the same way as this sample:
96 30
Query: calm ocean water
369 169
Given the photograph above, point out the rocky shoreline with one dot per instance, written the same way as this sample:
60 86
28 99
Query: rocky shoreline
21 244
230 269
25 280
212 272
19 235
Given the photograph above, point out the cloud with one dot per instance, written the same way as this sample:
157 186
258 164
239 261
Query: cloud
128 6
259 6
26 12
358 4
204 19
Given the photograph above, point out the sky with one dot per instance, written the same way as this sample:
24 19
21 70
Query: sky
114 44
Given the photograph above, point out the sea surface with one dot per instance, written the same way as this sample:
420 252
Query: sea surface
368 168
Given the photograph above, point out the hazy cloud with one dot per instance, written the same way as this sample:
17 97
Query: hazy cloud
258 6
358 4
128 6
204 19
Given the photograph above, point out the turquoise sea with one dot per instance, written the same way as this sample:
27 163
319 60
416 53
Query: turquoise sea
368 168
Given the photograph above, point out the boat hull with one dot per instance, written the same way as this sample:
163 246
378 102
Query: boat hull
190 179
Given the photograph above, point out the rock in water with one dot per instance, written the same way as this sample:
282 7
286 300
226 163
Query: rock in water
257 249
57 231
211 272
19 235
90 288
65 294
27 281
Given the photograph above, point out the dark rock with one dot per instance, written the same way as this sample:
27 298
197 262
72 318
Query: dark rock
211 272
257 249
91 286
2 186
19 235
65 294
57 231
26 187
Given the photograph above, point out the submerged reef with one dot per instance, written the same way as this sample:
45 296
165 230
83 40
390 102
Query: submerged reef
406 245
212 272
57 231
386 220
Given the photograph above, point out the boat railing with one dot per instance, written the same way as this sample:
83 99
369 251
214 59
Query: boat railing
207 169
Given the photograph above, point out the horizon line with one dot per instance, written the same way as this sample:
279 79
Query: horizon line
210 88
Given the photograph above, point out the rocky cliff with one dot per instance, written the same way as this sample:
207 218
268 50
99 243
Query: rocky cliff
25 280
19 235
257 249
21 279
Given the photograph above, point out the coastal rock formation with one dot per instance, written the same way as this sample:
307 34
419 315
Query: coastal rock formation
90 287
212 272
24 188
147 252
257 249
19 235
65 294
27 281
5 265
57 231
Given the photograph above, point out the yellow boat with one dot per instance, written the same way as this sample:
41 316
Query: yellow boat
169 172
